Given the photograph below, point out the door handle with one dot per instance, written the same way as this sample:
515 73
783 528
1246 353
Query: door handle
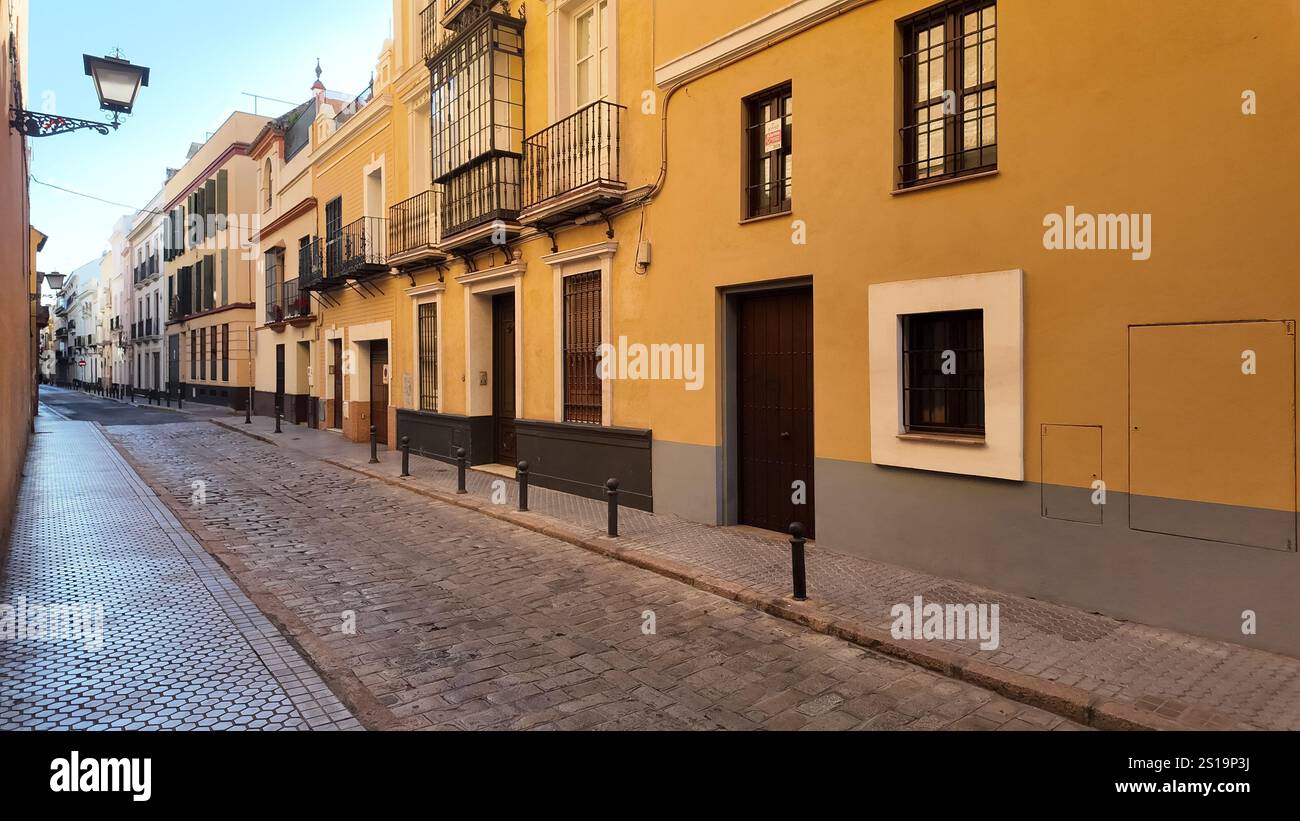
785 434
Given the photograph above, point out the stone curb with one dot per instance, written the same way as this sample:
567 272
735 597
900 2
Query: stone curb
1070 702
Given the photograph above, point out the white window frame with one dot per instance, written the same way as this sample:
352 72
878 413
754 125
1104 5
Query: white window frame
1000 295
562 74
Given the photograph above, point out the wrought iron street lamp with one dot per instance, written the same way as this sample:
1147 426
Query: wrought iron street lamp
117 82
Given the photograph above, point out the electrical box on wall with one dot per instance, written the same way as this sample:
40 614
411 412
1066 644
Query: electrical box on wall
643 254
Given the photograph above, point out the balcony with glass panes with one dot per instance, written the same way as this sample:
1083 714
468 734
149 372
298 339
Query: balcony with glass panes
477 120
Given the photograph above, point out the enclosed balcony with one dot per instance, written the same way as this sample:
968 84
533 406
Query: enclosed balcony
572 167
415 231
356 251
477 105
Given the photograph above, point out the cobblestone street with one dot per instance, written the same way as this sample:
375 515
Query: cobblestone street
464 621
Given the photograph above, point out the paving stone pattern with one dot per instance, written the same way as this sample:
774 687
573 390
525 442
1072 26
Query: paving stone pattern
464 621
182 647
1197 682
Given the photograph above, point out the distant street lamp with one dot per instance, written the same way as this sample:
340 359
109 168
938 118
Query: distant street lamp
117 82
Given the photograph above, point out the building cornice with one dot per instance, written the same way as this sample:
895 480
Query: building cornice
344 137
304 206
785 22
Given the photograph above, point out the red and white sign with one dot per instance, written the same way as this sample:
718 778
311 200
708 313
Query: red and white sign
772 133
82 363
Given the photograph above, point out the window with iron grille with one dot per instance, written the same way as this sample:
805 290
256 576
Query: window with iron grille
428 330
213 334
943 372
582 388
225 353
949 92
770 152
203 355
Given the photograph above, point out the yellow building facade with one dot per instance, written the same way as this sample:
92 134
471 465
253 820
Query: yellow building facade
1046 346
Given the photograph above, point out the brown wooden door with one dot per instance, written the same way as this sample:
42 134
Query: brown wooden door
775 408
503 379
379 388
338 384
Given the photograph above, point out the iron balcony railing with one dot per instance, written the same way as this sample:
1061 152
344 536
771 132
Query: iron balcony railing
582 149
359 249
358 102
414 225
429 26
285 301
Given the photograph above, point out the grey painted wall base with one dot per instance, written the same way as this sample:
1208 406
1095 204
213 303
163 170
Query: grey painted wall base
687 480
993 533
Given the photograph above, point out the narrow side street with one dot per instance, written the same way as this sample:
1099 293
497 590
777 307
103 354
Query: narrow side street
464 621
179 646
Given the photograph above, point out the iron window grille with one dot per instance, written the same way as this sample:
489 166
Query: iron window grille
949 68
769 151
943 372
582 385
428 330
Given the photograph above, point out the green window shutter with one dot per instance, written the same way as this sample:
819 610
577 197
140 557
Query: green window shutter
209 281
223 195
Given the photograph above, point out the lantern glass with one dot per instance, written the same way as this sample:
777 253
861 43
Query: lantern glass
117 82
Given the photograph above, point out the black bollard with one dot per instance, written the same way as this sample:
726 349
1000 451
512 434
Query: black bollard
612 491
521 476
374 445
248 407
406 456
180 394
797 567
460 470
167 392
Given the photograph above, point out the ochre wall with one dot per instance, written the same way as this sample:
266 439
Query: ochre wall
16 261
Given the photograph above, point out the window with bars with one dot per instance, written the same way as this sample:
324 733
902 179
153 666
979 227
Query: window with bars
769 152
225 353
428 331
213 335
582 388
194 352
943 372
203 355
949 91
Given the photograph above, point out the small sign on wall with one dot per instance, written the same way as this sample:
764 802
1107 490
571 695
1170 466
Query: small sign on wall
385 374
772 135
310 379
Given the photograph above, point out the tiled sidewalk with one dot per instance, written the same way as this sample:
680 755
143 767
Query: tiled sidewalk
1175 680
182 647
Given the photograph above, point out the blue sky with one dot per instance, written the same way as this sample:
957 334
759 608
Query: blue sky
201 56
